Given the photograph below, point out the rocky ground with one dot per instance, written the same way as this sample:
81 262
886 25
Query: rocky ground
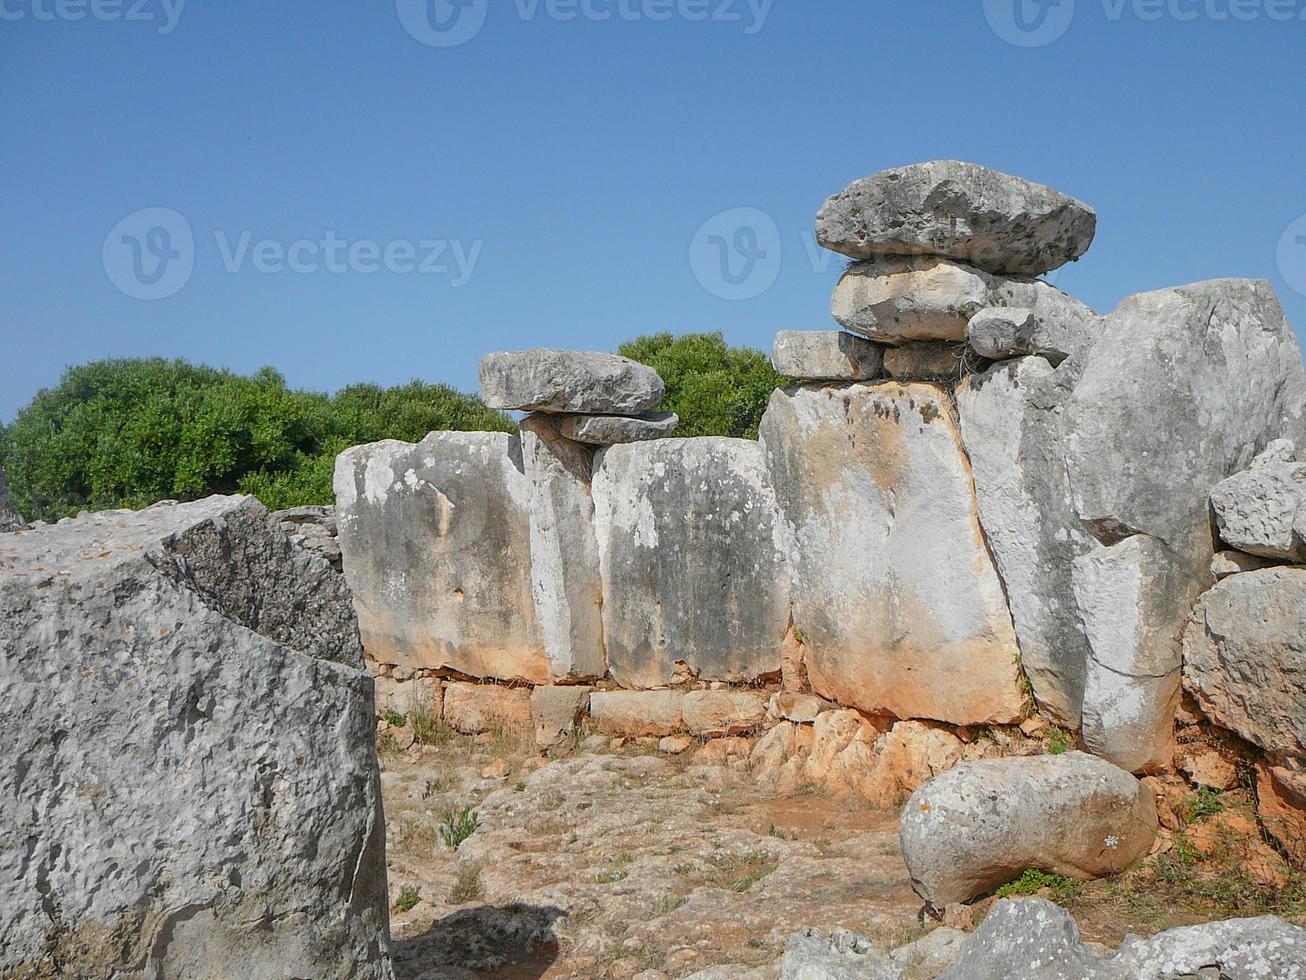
595 862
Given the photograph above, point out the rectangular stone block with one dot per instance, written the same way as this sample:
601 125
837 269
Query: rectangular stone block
475 708
637 713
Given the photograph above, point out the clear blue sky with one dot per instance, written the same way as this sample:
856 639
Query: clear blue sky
584 155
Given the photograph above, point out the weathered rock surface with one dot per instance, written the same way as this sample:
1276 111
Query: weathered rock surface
897 602
556 712
410 697
637 713
1245 660
918 298
841 955
475 708
825 355
1012 426
1257 510
436 540
983 823
723 712
1062 327
612 430
1182 388
10 519
1134 599
564 552
693 571
1027 938
928 362
1281 805
192 787
569 381
961 210
313 528
1226 563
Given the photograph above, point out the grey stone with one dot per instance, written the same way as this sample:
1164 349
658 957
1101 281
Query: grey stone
1181 389
1226 563
1278 451
569 381
1054 333
960 210
1245 659
825 355
931 954
564 553
1265 948
693 571
1012 426
723 712
314 529
557 711
977 826
437 552
320 516
613 430
1258 510
1029 939
1134 599
929 362
10 519
897 602
192 787
841 955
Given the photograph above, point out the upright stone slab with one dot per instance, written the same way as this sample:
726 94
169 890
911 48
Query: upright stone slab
10 520
692 569
960 210
1245 658
895 597
569 381
1011 422
190 787
1134 599
1182 389
436 542
565 578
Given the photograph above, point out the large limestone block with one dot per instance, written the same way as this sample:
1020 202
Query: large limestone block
947 207
569 381
1011 423
1134 599
825 355
900 299
693 571
1183 387
565 579
10 519
557 711
895 597
723 712
436 541
1258 510
637 713
1245 657
983 823
475 708
191 785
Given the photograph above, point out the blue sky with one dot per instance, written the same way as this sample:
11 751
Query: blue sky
576 166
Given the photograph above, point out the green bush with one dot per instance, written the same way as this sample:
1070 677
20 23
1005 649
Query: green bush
717 390
125 433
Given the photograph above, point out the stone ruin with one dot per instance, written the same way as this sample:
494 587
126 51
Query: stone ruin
979 506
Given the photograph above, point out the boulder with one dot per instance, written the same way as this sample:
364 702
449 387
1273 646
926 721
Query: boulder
1281 806
1027 938
564 553
193 786
1226 563
825 355
557 711
475 708
1257 510
436 538
693 572
841 955
569 381
1011 424
723 712
999 333
612 430
1182 388
10 519
961 210
896 299
1245 659
637 713
1134 599
977 826
897 601
928 362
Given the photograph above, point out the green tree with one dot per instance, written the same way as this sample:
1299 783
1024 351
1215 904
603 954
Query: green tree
717 390
125 433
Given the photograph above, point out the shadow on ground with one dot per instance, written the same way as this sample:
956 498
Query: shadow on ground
515 942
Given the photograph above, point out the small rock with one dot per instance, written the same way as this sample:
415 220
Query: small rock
802 708
556 711
1029 939
403 737
719 751
595 743
958 916
931 955
841 955
613 430
569 381
1257 509
675 744
1226 563
498 769
924 298
1033 726
825 355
